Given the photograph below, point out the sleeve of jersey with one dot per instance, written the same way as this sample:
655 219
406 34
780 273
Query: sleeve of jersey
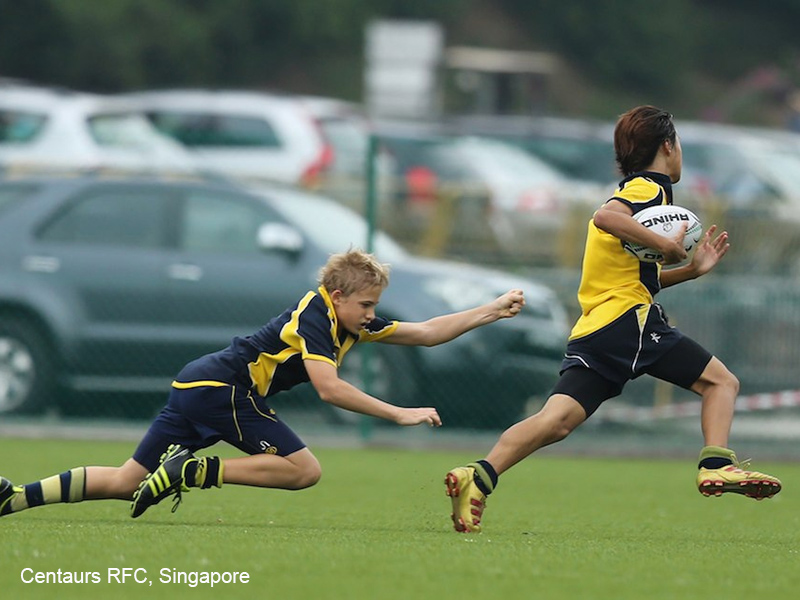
377 329
310 330
640 193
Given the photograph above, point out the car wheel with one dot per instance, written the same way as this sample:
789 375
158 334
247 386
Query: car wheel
26 378
391 379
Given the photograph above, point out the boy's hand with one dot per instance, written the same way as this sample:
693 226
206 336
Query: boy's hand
509 304
710 251
672 249
415 416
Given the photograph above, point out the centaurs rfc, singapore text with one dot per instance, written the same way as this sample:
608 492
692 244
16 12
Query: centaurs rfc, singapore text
135 576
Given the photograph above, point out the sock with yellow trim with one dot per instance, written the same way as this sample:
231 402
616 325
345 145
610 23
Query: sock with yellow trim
69 486
205 472
485 476
716 457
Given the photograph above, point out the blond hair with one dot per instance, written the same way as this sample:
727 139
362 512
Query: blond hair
353 271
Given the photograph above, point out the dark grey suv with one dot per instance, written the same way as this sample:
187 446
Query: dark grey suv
108 286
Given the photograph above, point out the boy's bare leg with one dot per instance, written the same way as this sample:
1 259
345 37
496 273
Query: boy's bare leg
468 486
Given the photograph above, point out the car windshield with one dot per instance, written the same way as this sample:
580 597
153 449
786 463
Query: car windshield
206 129
505 162
19 127
587 159
781 164
333 226
124 130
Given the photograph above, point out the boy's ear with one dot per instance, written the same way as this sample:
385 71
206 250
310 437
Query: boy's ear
336 295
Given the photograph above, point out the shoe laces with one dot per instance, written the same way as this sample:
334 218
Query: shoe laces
178 498
743 464
177 494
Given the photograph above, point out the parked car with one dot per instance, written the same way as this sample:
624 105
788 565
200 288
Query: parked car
581 149
247 135
528 205
43 129
748 181
437 206
752 170
111 285
347 129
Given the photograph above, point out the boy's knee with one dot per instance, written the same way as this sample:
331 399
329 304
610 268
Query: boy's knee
308 476
126 478
560 431
727 381
733 383
559 426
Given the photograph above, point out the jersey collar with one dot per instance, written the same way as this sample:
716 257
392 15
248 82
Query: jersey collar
661 179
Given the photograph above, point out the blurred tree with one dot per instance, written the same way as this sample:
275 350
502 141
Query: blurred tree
612 44
33 38
125 44
685 54
736 37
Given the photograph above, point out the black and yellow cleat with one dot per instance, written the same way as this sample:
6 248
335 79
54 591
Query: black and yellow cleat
7 492
167 480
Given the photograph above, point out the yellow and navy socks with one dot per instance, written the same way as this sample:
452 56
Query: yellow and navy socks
204 472
485 476
716 457
69 486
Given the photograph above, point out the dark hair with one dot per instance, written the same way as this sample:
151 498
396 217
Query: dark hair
638 135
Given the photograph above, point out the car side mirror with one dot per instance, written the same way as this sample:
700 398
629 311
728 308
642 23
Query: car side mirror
279 237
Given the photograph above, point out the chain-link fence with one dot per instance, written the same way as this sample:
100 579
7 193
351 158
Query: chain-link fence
747 312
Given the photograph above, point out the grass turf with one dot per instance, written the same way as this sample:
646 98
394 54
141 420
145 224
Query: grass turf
377 526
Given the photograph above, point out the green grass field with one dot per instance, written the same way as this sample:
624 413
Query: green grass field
377 526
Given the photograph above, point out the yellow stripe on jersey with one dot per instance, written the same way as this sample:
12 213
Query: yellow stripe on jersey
612 280
323 293
262 371
181 385
289 332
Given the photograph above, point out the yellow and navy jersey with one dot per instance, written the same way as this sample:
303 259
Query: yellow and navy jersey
613 280
271 359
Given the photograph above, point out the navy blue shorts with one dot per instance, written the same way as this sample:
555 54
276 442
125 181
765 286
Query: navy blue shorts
596 367
201 416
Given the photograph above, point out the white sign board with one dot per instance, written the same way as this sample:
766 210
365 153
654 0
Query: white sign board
403 60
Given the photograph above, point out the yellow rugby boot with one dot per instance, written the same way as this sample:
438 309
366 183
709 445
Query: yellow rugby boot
735 479
468 501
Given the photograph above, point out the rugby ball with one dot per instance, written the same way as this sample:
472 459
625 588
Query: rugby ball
666 220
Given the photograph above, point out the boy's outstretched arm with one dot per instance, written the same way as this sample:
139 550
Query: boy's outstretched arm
325 379
439 330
